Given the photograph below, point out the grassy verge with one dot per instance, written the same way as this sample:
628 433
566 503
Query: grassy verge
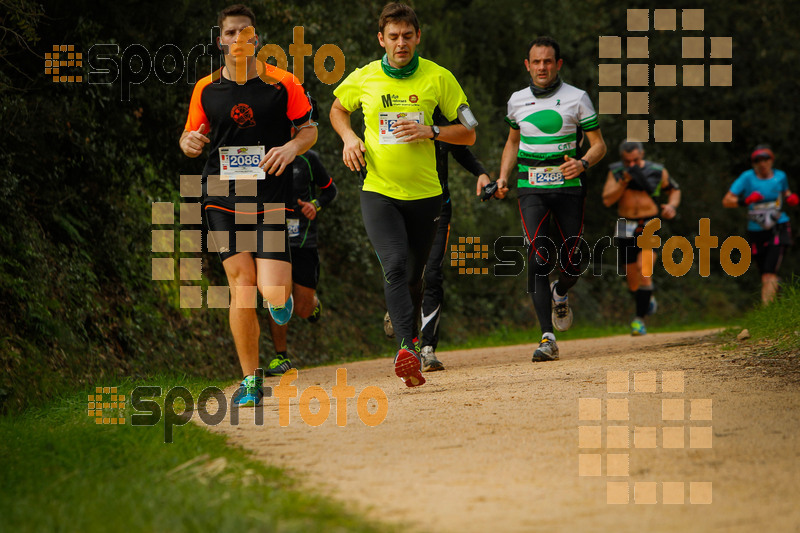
777 323
61 471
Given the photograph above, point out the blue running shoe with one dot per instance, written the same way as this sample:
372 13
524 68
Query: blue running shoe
250 392
653 306
278 366
637 328
282 314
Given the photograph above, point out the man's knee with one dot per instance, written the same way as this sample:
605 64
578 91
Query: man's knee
394 268
241 277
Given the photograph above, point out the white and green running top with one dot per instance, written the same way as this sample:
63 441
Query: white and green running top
550 128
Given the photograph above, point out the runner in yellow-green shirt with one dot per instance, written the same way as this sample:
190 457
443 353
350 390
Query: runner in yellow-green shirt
401 193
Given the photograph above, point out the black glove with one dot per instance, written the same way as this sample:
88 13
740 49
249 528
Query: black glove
488 191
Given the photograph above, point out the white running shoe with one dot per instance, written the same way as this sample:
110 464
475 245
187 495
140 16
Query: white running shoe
387 326
429 361
547 350
562 313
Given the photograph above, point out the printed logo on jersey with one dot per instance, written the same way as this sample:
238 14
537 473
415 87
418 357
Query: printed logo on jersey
547 120
394 100
242 114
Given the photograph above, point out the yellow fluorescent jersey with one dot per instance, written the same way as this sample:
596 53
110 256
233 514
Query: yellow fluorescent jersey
404 171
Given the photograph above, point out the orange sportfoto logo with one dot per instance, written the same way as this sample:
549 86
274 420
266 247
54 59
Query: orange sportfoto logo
242 114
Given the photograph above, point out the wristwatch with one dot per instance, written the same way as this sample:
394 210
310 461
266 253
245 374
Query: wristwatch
316 205
435 130
585 164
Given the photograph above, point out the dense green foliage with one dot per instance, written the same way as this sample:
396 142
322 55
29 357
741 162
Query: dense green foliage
80 167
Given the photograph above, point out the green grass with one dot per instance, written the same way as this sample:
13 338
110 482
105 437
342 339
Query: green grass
62 472
777 323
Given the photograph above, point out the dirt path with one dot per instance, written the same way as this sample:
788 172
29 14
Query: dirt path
492 443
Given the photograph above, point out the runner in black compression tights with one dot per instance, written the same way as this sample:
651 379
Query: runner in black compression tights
548 120
401 194
433 297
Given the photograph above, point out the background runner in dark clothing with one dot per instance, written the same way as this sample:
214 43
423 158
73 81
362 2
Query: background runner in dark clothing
313 189
637 185
434 290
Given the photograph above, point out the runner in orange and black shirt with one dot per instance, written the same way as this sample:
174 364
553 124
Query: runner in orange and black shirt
245 112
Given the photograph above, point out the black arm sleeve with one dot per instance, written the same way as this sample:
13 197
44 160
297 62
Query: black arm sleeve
467 159
327 189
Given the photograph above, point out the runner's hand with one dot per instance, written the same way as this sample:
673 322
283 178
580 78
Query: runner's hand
792 200
193 143
278 158
754 197
353 153
308 209
502 189
409 131
571 168
667 211
483 181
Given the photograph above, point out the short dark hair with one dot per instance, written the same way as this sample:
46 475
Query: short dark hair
629 146
236 10
545 41
397 12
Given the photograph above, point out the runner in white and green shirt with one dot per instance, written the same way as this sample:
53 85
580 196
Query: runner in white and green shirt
545 157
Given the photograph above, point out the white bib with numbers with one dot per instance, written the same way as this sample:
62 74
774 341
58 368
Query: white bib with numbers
765 214
387 122
539 176
293 227
241 162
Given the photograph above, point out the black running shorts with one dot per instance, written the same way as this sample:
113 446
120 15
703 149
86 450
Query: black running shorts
305 267
227 237
768 247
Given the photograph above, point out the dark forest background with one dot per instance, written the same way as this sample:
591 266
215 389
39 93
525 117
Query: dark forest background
80 167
